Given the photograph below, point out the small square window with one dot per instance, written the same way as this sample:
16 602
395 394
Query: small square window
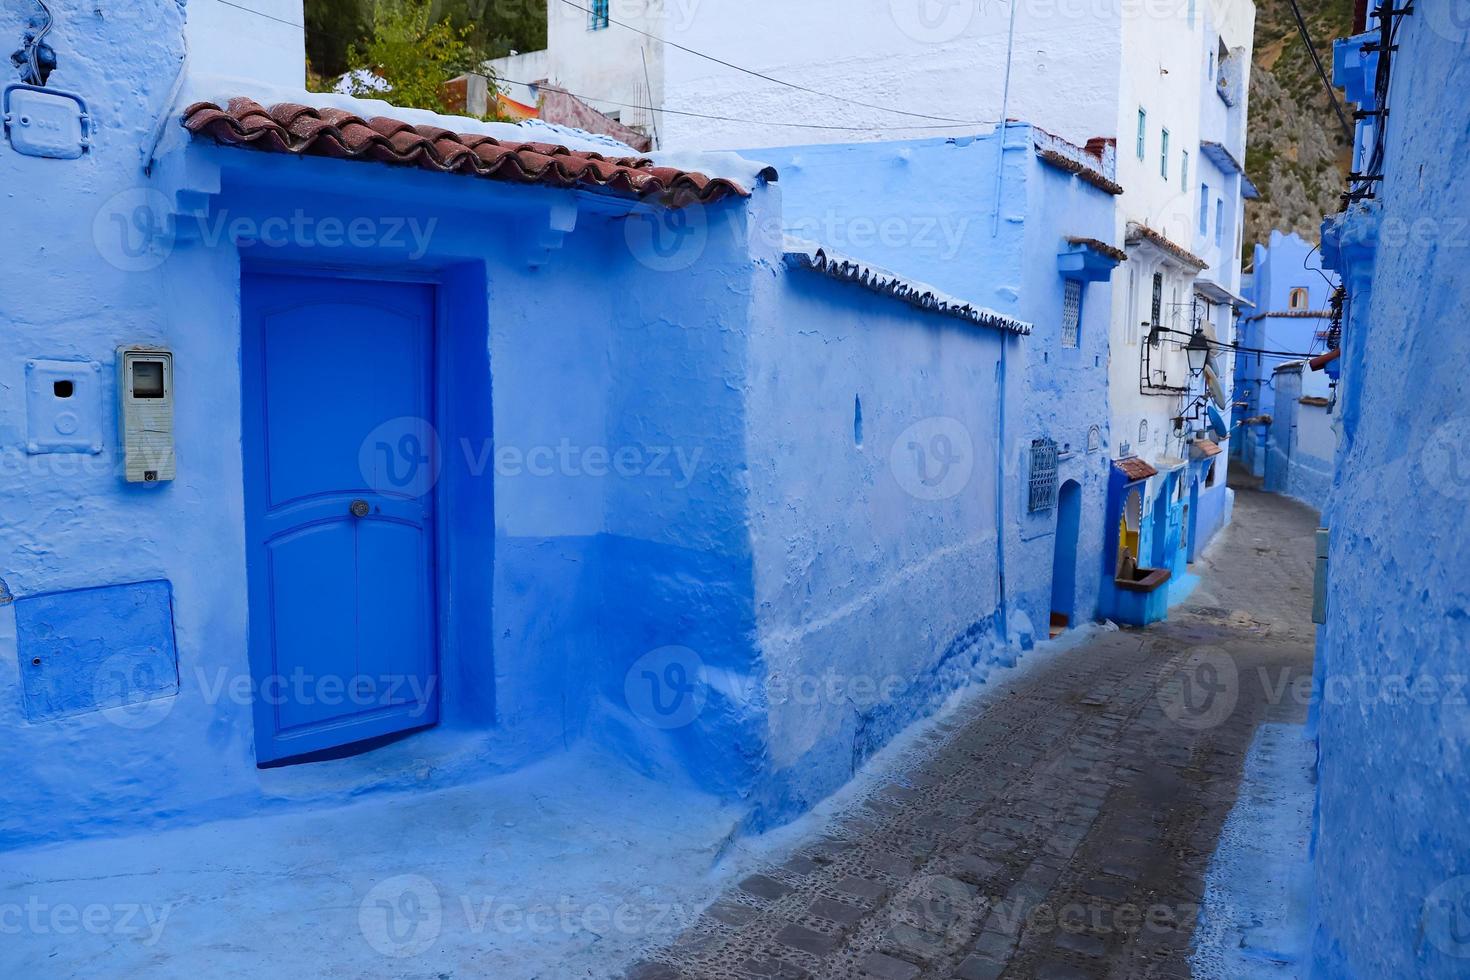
62 389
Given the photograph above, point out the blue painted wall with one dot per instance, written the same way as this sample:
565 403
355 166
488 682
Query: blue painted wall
1301 442
567 562
846 542
677 482
1287 261
1392 845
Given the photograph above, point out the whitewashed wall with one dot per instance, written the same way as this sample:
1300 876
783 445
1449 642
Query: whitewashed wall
1165 71
937 59
605 68
266 42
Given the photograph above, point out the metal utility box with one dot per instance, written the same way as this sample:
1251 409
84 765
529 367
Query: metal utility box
64 407
43 122
145 418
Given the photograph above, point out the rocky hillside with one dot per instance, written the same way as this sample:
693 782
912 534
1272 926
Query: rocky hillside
1297 153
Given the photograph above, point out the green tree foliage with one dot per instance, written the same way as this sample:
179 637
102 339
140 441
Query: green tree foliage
414 52
494 28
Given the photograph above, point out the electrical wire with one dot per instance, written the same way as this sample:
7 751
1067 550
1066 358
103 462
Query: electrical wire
960 124
752 122
1237 348
1321 72
33 44
769 78
278 20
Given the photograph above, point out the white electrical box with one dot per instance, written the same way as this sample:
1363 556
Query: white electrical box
145 388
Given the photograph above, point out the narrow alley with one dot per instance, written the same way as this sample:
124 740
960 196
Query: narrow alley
1061 829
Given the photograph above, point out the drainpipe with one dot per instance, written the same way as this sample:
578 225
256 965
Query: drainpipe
1005 100
1000 485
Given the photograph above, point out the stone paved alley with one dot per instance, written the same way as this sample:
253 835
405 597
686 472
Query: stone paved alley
1063 827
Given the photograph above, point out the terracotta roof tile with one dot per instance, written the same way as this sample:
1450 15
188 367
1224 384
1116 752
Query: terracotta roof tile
1140 232
1206 447
328 132
1116 254
1092 176
1135 468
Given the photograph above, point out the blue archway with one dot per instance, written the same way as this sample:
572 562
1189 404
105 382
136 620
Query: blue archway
1064 556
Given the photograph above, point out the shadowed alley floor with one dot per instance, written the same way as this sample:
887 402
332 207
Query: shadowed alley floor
1062 828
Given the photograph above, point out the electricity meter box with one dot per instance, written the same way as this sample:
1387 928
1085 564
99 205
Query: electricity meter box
145 387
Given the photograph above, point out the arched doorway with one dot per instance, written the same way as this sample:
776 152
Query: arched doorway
1064 557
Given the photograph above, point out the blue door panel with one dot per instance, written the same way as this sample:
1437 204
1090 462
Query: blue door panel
350 369
313 616
338 408
394 607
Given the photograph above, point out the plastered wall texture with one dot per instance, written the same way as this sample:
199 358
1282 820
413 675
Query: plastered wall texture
901 582
770 528
1392 830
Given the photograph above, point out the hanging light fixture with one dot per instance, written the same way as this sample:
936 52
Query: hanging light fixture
1197 351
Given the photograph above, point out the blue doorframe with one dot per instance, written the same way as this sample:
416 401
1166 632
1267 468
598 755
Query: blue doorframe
1064 554
341 461
1192 518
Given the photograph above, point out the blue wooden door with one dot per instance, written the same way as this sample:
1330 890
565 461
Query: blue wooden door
339 459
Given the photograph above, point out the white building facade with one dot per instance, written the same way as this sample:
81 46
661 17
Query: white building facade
1168 81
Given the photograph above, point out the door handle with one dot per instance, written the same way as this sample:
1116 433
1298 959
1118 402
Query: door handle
359 508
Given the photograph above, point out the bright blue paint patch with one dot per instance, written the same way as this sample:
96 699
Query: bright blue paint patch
342 461
1254 921
1181 587
89 649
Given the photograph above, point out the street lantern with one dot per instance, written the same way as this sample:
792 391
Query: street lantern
1197 350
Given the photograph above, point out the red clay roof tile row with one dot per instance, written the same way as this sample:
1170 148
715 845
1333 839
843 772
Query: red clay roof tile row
1094 177
306 131
1138 232
1135 469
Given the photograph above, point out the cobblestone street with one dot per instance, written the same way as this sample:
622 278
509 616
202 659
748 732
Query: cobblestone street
1063 827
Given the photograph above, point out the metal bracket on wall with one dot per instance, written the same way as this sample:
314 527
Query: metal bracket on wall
561 218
